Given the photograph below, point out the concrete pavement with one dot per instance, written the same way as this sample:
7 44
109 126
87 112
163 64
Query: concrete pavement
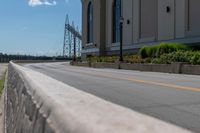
169 97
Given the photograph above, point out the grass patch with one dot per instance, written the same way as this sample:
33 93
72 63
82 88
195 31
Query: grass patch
2 84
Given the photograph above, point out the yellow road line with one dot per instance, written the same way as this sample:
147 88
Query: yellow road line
141 81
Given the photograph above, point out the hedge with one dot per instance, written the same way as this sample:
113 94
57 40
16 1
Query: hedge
192 57
158 50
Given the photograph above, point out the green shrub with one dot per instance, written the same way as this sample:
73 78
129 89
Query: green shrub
143 52
148 51
147 60
102 59
133 59
110 59
162 48
179 56
158 61
165 48
195 58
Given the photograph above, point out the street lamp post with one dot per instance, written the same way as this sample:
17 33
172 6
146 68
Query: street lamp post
74 59
121 39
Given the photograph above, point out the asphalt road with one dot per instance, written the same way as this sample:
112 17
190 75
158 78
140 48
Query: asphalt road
170 97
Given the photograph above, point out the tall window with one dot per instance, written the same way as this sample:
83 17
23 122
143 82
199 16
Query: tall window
90 23
116 20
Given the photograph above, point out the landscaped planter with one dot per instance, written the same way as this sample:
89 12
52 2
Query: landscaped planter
177 68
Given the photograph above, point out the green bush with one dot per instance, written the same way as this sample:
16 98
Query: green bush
102 59
195 58
192 57
148 51
110 59
143 52
165 48
158 61
133 59
147 60
162 48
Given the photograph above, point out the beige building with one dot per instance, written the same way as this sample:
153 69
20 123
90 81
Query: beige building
146 22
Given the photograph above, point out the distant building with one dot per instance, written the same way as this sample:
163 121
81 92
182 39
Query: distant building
146 22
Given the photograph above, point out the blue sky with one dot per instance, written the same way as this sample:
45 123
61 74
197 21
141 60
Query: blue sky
35 27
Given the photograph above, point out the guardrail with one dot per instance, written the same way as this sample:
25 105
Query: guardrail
36 103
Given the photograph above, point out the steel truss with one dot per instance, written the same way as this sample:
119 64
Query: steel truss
72 40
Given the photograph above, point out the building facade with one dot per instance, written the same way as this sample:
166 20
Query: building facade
146 22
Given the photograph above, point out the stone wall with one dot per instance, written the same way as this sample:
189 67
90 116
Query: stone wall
23 114
35 103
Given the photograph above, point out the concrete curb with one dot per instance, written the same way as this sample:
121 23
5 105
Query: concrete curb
39 104
177 68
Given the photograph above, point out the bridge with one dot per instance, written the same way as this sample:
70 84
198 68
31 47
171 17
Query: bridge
59 98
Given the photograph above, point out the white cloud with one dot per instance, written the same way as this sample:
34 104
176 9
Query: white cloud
42 2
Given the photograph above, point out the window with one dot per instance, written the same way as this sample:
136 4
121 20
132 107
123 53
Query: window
90 23
116 20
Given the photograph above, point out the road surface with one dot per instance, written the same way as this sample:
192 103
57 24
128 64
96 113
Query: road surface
170 97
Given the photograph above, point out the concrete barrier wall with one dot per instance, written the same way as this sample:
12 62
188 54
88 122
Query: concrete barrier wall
177 68
36 103
23 114
83 64
190 69
147 67
105 65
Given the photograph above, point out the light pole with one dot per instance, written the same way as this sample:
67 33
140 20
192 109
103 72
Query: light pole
121 31
121 38
74 59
